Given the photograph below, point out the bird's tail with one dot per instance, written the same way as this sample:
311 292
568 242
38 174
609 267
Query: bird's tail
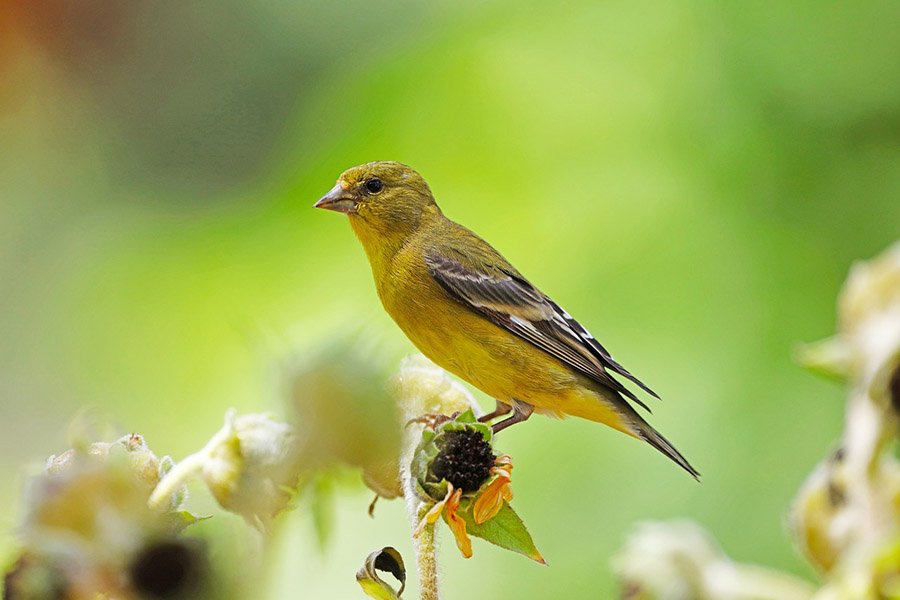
608 407
655 439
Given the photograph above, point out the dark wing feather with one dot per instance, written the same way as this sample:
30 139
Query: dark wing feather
511 302
599 350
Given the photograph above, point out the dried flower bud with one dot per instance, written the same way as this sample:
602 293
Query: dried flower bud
131 449
253 471
869 311
850 503
679 561
867 347
423 388
344 415
869 575
88 522
872 288
820 514
250 466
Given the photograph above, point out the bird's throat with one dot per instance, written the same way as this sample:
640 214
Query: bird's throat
381 246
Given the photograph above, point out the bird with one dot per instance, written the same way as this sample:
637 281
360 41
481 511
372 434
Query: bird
472 313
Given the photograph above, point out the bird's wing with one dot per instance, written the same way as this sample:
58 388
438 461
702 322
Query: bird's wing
508 300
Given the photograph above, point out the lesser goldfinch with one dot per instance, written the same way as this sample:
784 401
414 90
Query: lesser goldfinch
471 312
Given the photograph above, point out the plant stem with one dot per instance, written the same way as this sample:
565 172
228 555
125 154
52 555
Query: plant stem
421 388
423 544
189 466
426 563
174 479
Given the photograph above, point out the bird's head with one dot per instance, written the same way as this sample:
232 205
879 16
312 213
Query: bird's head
384 196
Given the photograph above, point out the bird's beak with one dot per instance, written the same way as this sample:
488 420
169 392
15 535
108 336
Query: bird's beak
337 199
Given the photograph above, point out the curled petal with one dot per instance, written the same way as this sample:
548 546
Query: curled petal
458 524
504 461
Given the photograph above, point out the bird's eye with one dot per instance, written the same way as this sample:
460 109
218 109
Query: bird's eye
374 185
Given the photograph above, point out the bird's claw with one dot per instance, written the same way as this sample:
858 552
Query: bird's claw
432 421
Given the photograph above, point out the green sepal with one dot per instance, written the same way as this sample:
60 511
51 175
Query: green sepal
466 420
428 449
181 519
465 417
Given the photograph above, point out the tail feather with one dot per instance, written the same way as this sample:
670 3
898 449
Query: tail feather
655 439
607 406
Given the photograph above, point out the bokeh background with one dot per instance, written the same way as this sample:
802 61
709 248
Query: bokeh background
691 180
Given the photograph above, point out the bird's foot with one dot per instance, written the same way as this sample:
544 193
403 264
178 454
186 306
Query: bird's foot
502 409
521 413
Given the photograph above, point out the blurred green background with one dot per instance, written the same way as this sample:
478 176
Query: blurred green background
691 180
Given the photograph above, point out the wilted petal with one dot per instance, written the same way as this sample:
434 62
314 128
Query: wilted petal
458 525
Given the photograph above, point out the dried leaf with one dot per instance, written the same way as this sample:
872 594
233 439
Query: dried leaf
387 560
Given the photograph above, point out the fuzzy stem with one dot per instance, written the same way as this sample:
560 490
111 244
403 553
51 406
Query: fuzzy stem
189 466
174 479
424 543
426 563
